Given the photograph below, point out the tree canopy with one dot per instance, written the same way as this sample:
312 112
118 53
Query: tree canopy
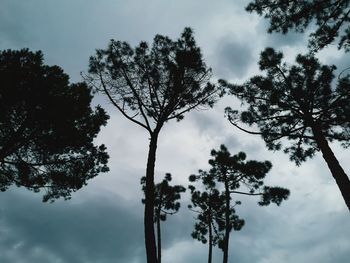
167 197
151 85
47 127
301 103
331 18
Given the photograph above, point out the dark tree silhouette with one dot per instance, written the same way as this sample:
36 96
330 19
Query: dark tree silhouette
47 127
332 19
151 86
298 103
207 205
166 203
235 175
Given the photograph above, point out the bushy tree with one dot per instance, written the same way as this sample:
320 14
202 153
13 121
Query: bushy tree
166 203
47 127
331 19
150 86
233 174
301 103
208 205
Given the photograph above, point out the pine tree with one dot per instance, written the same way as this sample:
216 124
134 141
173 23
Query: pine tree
232 175
151 86
298 103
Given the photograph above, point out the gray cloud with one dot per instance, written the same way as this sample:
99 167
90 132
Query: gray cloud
90 229
15 32
233 58
322 239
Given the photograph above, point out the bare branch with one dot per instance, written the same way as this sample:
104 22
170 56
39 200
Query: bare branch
119 108
244 193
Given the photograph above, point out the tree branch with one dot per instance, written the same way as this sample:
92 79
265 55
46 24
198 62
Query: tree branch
244 193
118 107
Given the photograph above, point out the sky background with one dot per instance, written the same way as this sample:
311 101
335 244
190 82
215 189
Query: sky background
103 222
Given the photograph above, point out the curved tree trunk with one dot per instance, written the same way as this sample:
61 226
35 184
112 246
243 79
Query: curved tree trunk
150 241
337 171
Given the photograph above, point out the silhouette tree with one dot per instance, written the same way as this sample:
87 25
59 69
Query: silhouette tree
151 86
47 127
236 173
207 205
298 103
231 174
331 17
165 203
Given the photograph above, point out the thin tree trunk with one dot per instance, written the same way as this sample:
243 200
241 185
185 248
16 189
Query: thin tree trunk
150 241
159 240
159 234
210 252
227 223
337 171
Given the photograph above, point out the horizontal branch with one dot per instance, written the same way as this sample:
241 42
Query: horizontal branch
244 193
279 135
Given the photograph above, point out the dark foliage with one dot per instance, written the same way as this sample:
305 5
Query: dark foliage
331 18
207 205
151 85
234 172
47 127
289 99
301 103
167 197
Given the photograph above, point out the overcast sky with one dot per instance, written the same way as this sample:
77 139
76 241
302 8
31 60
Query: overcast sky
103 222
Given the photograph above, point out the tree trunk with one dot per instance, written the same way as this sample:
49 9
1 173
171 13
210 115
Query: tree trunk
337 171
210 252
227 223
159 240
149 202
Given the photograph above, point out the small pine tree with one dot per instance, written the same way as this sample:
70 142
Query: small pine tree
229 174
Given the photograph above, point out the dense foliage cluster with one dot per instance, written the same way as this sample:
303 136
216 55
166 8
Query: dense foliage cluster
331 18
299 103
47 127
